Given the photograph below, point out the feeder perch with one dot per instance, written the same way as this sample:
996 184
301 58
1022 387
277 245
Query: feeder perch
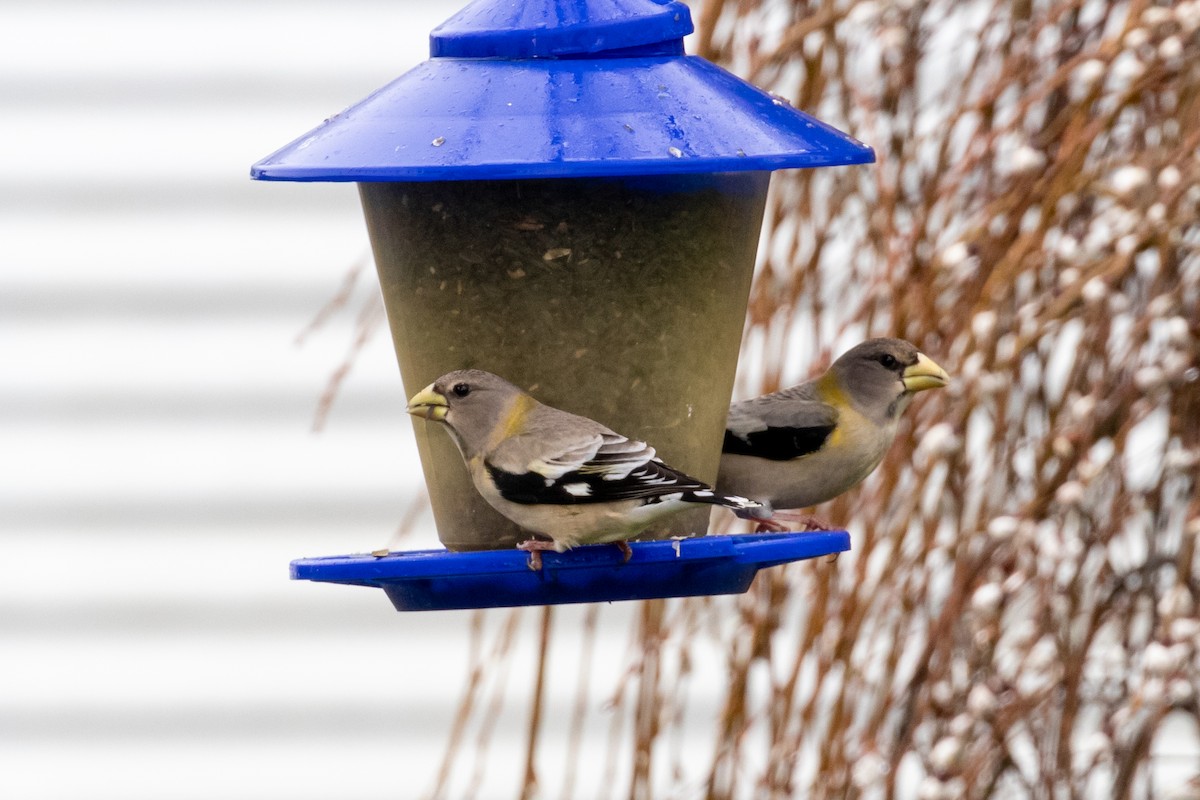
561 196
436 580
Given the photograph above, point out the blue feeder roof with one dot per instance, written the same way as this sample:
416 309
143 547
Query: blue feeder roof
561 89
435 580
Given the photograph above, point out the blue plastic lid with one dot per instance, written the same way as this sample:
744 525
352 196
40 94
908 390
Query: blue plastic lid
491 29
561 89
430 580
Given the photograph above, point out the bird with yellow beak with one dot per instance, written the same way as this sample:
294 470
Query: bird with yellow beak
556 474
808 444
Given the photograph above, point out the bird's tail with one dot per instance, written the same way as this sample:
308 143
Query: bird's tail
743 507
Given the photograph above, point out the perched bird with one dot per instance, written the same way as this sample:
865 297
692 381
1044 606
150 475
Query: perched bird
801 446
557 474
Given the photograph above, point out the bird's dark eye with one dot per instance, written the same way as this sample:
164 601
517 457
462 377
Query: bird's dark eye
461 389
888 360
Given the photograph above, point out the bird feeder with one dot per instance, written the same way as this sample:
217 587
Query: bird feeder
562 197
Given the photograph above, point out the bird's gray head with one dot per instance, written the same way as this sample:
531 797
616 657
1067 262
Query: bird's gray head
473 405
880 376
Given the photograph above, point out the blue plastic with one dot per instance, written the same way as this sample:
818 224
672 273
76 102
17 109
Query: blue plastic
561 88
433 580
490 29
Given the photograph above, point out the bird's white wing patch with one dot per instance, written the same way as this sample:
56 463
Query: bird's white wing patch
571 458
618 457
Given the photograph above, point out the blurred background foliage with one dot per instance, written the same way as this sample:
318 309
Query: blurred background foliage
1018 617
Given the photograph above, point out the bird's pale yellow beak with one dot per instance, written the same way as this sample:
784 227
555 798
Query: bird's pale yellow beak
429 403
924 374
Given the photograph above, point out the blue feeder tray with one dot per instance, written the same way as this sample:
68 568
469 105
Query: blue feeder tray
438 580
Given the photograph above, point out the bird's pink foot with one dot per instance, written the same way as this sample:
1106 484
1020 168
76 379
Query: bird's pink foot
811 523
626 551
535 547
782 521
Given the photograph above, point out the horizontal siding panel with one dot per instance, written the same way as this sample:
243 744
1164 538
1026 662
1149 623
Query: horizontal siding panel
112 405
56 41
380 661
297 248
286 768
196 516
153 150
53 191
142 354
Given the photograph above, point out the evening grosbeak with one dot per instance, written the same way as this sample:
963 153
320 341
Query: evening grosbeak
557 474
801 446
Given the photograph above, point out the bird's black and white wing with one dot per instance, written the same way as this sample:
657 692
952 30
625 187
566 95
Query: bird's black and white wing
604 468
780 426
607 468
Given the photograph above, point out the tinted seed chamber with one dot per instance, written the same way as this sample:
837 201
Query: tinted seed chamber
621 299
